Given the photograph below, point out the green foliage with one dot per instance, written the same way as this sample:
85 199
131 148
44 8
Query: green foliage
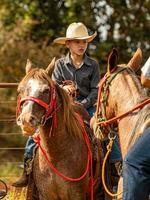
120 23
127 24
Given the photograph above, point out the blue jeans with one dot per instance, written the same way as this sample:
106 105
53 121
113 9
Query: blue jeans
91 110
30 145
136 170
115 154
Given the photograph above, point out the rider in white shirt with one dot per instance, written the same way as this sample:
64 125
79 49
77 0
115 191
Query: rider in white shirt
145 76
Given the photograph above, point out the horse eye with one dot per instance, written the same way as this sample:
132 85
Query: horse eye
46 91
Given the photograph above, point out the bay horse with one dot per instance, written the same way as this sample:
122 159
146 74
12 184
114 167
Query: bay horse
62 167
123 103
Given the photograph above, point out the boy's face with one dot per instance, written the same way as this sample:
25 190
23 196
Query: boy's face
77 47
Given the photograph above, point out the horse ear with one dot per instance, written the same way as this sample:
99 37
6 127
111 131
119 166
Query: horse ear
112 60
29 66
136 60
50 67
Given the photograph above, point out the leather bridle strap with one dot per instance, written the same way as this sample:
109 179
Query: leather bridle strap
114 119
38 101
50 108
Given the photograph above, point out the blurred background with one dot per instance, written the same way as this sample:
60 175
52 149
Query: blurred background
27 30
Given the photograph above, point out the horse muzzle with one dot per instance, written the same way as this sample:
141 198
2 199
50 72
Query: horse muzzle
28 131
31 120
28 124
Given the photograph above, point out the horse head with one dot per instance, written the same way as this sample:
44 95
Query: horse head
119 76
119 91
37 98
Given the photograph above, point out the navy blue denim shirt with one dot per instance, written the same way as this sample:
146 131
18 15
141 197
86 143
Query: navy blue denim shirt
86 77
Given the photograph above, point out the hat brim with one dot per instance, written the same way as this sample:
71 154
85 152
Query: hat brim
62 40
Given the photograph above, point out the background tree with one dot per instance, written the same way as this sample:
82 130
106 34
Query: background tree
29 27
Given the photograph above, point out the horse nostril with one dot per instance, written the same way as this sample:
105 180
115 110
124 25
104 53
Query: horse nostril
19 122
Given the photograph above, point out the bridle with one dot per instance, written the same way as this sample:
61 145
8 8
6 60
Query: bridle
103 92
101 117
107 125
51 111
50 108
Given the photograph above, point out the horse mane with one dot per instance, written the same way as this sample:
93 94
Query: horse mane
70 118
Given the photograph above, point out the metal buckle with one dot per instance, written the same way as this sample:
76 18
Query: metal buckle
112 135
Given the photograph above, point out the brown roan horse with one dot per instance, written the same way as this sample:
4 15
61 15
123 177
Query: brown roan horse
62 164
120 92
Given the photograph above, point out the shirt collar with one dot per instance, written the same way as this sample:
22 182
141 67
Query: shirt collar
86 60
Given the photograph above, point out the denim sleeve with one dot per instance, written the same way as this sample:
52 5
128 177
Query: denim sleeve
57 74
95 78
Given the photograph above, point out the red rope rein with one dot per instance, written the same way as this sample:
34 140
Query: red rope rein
89 159
51 111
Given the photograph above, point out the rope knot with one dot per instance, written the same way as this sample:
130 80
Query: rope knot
37 139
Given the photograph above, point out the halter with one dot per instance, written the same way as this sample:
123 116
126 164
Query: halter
51 111
102 121
100 115
50 108
101 105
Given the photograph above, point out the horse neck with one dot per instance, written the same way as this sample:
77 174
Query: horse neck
125 97
53 137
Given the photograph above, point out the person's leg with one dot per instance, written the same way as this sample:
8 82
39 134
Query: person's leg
28 155
136 170
115 154
115 161
91 110
30 145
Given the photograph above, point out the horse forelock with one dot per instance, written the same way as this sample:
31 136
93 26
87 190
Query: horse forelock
36 73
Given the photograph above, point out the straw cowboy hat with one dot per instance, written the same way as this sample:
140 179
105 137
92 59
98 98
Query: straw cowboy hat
76 31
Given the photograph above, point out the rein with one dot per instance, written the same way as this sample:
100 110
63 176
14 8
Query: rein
103 122
51 112
73 93
89 167
112 120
